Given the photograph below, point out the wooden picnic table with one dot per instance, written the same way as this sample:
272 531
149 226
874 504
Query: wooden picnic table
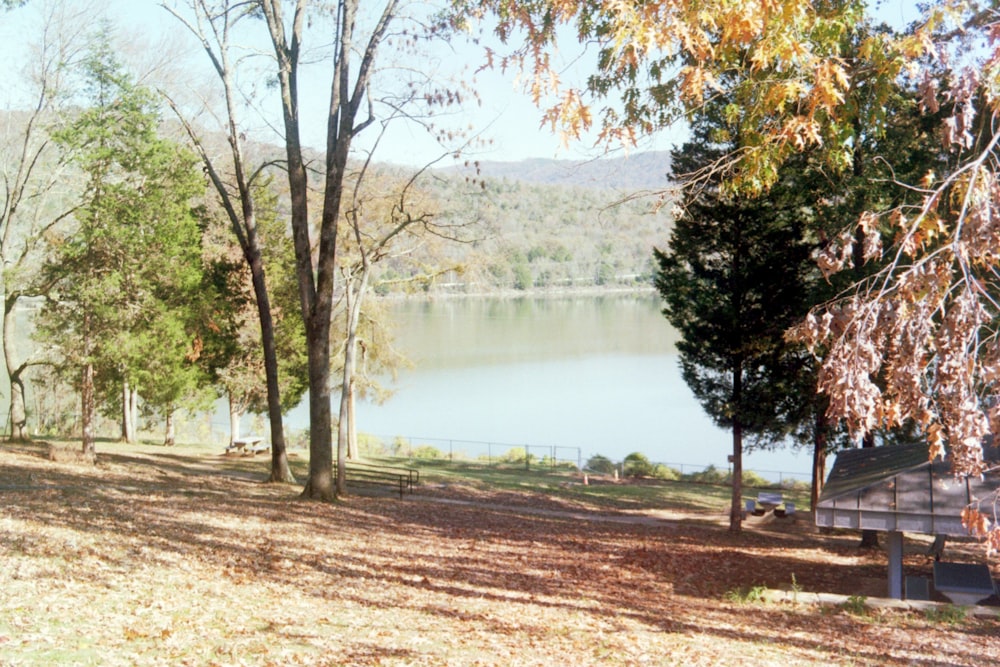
251 444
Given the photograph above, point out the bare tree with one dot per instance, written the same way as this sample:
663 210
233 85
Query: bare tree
32 180
386 218
212 23
352 109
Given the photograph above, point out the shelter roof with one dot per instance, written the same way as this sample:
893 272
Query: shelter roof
899 488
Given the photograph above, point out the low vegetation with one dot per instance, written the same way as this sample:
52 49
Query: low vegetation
181 556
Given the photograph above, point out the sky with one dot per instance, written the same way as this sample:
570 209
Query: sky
507 119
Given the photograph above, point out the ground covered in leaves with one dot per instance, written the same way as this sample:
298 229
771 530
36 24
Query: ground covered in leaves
153 558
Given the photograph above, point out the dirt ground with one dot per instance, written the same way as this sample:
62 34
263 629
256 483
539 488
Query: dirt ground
161 559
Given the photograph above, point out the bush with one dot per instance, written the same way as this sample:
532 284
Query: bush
750 478
710 475
667 473
637 464
426 452
601 464
514 455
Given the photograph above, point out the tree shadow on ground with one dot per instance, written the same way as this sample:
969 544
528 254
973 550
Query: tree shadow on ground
461 562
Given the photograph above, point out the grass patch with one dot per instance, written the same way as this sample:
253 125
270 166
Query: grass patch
748 595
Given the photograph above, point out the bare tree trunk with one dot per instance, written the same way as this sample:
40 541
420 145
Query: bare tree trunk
280 470
736 507
352 427
18 413
128 414
316 279
354 292
133 408
869 538
320 485
244 225
819 458
87 409
169 438
234 421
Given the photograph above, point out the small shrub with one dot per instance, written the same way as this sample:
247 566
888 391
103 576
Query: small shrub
514 455
370 445
666 473
948 614
601 464
796 485
750 595
399 446
637 464
710 475
855 605
750 478
426 452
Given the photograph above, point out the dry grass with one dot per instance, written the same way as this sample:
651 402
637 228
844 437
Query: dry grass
173 558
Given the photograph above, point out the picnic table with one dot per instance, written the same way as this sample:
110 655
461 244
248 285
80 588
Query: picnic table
251 444
769 501
963 583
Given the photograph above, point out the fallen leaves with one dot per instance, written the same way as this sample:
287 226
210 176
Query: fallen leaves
212 570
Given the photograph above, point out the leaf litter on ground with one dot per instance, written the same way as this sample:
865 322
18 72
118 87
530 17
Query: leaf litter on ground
135 561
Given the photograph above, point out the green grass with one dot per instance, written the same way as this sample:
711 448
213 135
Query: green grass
566 483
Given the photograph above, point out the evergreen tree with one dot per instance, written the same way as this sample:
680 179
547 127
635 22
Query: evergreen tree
131 285
733 280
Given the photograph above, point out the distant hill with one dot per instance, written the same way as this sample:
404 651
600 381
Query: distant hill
638 172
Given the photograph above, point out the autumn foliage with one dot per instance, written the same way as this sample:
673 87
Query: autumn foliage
916 341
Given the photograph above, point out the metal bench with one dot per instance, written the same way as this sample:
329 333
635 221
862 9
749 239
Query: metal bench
963 583
403 479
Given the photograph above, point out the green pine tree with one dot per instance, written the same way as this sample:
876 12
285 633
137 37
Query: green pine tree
131 284
733 279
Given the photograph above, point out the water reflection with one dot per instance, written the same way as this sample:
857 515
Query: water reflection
597 373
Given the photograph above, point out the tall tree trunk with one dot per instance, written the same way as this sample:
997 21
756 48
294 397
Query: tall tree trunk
169 437
281 472
316 281
133 407
315 286
869 538
736 507
18 413
355 288
320 485
244 225
346 384
819 458
87 409
234 421
128 414
352 426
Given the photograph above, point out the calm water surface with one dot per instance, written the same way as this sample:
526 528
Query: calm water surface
595 373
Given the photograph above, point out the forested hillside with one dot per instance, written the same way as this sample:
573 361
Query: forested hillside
541 224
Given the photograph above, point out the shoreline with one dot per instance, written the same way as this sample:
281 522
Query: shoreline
542 293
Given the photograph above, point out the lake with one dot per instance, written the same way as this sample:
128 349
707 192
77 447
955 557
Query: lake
586 374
